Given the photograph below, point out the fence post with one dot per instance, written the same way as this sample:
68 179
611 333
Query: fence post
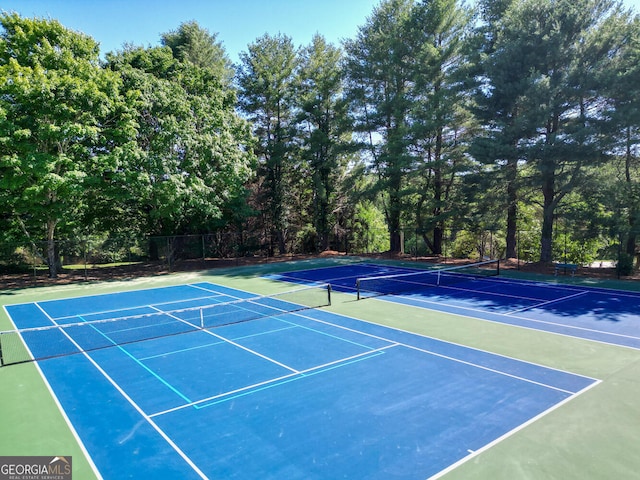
491 253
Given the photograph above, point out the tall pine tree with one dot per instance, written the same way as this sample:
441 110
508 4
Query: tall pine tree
267 86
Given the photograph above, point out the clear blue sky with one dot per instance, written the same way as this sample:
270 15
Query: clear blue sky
237 22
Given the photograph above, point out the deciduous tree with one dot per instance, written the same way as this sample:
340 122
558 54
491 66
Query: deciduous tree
63 124
194 152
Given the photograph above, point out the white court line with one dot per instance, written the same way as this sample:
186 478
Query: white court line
300 373
499 314
489 292
475 453
171 315
286 278
171 443
607 291
214 291
369 265
74 287
69 424
368 352
557 300
433 338
235 344
182 350
209 332
207 345
454 359
493 370
257 354
56 400
116 310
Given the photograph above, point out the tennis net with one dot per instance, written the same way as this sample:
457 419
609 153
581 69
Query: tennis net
415 281
40 343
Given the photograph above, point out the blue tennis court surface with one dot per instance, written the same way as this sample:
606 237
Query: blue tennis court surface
296 394
602 315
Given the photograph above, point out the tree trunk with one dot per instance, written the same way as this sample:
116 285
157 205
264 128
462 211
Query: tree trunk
546 238
282 244
512 209
154 253
548 177
395 243
437 199
52 257
631 244
323 215
394 224
394 211
438 236
633 213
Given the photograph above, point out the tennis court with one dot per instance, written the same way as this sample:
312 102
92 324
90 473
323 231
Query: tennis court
166 387
203 379
599 314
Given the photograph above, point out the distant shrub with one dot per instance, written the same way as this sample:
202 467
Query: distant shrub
625 264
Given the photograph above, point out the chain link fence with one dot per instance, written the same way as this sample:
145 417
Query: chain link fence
582 248
82 255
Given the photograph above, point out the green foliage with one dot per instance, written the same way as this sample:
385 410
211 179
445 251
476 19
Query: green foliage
332 150
463 245
306 240
624 266
477 245
380 70
193 152
544 87
64 123
193 44
322 131
368 229
528 245
571 249
402 88
267 81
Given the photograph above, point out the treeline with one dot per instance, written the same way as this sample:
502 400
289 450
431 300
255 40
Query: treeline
519 117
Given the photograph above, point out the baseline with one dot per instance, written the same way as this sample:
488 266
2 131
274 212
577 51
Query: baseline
574 331
140 411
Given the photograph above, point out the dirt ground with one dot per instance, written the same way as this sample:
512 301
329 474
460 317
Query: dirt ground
96 274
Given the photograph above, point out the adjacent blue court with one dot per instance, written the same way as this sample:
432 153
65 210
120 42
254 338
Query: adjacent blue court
266 389
598 314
